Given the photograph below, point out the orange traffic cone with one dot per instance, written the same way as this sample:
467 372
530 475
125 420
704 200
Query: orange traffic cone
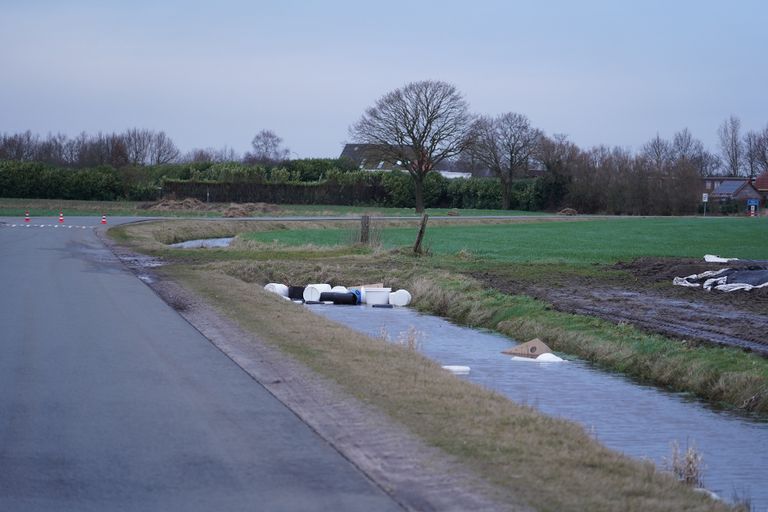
26 216
103 219
61 217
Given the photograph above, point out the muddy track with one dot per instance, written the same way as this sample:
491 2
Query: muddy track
650 302
650 311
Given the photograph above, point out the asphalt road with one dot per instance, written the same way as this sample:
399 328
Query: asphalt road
109 400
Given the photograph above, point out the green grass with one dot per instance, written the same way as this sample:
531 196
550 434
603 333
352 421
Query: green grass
597 241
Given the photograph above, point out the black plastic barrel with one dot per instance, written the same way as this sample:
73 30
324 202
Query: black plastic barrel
296 292
348 298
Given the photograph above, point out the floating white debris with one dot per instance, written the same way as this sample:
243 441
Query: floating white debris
543 358
457 370
549 357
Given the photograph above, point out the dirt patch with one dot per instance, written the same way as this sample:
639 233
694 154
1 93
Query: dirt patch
171 205
249 209
648 300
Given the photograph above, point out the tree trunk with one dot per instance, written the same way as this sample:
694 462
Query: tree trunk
418 187
506 194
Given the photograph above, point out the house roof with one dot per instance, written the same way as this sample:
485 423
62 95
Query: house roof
729 187
736 190
761 183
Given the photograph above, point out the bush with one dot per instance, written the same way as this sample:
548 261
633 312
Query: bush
29 179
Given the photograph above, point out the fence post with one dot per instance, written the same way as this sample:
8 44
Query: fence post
420 236
365 229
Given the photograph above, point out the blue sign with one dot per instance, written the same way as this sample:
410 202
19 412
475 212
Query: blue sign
753 202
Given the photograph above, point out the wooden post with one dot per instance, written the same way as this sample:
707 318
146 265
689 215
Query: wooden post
420 236
365 229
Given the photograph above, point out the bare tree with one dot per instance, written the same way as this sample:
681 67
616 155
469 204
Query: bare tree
658 152
557 153
137 145
731 146
506 144
756 152
161 149
267 149
418 125
19 146
686 147
211 155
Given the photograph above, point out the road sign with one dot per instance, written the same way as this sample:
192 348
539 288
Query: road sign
704 197
753 202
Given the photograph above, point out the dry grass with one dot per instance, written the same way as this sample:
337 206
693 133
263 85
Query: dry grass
549 463
687 466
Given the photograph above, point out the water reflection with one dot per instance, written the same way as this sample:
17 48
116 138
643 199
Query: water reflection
638 420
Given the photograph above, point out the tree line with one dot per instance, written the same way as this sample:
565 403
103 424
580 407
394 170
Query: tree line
424 123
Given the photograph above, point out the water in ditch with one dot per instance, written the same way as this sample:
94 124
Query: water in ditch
641 421
204 243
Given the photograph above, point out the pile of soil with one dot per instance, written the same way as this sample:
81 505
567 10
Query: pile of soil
249 209
567 211
646 298
168 205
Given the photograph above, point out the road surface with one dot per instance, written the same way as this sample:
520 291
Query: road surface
109 400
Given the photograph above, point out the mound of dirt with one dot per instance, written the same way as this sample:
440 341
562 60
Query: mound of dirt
567 211
167 205
249 209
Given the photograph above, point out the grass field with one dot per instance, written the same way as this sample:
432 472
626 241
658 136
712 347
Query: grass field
598 241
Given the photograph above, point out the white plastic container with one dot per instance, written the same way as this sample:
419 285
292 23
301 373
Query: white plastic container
377 295
339 289
312 291
277 288
400 298
457 369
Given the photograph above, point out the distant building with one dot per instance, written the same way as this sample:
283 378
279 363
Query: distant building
373 157
761 185
735 190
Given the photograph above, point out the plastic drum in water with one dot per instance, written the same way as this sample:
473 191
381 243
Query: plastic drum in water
312 291
377 295
400 298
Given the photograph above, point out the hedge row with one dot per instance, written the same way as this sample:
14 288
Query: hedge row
30 179
236 182
393 189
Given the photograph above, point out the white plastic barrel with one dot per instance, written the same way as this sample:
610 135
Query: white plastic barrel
277 288
400 298
312 291
377 295
339 289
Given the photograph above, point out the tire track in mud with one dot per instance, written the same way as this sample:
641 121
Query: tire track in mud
710 323
704 320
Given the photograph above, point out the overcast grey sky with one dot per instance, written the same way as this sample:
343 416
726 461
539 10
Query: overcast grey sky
215 73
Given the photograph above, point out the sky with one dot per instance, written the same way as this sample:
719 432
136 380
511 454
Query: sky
213 74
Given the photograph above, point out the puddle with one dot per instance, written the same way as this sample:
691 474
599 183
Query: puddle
637 420
204 243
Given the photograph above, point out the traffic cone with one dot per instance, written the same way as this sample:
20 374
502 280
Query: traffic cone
61 217
26 216
103 219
